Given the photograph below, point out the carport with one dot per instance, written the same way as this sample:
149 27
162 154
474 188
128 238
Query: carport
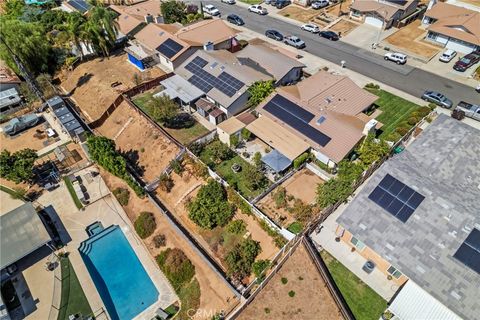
276 161
180 90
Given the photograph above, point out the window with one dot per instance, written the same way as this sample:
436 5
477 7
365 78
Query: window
394 272
432 35
357 243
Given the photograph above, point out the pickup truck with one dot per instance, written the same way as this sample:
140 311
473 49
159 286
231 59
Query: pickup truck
471 110
16 125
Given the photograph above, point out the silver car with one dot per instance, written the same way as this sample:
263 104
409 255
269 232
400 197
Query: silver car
294 41
437 98
471 110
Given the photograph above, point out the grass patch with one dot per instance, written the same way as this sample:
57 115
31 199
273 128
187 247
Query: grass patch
295 227
71 190
183 135
189 296
363 301
73 299
171 310
395 111
13 193
251 1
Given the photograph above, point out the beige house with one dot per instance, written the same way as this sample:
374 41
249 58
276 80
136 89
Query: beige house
382 13
234 126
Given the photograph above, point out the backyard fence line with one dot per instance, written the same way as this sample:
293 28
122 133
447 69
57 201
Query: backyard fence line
327 277
206 138
57 291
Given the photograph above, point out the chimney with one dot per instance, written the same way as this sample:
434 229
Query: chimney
369 127
148 18
431 3
208 46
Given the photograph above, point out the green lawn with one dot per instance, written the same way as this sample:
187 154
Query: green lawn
396 111
295 227
365 303
184 135
69 185
73 299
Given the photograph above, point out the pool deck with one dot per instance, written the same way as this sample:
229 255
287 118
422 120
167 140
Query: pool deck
106 209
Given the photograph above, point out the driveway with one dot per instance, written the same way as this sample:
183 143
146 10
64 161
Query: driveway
364 35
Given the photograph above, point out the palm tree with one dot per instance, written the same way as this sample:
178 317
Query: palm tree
73 31
103 26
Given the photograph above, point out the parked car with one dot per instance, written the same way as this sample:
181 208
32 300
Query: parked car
229 1
471 110
398 58
274 34
280 4
319 4
448 55
258 9
330 35
211 10
310 27
437 98
294 41
16 125
233 18
467 61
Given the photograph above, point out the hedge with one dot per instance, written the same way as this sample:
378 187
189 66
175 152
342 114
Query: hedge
145 224
300 160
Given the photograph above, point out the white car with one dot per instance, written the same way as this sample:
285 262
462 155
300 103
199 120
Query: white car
211 10
448 55
319 4
310 27
398 58
256 8
229 1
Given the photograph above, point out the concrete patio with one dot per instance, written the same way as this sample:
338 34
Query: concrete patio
352 260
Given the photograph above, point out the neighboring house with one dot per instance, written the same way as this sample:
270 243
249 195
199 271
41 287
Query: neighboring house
452 26
262 57
418 217
382 13
80 6
234 126
170 44
181 91
10 99
323 113
223 80
132 18
70 122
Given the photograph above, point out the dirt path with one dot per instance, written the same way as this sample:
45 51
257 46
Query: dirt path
311 300
215 294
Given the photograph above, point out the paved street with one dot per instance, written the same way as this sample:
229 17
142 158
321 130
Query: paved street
406 78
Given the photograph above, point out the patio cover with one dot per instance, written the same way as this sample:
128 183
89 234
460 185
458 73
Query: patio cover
277 161
177 87
21 232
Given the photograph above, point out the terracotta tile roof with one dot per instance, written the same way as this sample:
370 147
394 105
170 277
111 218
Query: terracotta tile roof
7 75
139 10
214 30
455 22
246 118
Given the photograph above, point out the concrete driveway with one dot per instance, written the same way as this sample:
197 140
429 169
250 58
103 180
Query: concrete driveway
364 35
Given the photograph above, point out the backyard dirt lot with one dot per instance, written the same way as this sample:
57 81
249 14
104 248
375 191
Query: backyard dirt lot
215 294
311 299
299 13
90 82
409 38
34 138
302 185
146 147
343 27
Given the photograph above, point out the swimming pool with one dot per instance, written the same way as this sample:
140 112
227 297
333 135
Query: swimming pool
122 282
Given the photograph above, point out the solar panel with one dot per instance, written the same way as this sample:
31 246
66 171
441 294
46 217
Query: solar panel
79 5
469 251
396 198
66 118
203 80
287 113
169 48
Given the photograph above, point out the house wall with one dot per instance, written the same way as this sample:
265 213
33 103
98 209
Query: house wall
223 45
451 43
225 137
380 263
166 62
238 105
184 56
323 158
292 76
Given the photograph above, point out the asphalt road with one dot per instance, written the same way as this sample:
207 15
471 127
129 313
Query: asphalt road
406 78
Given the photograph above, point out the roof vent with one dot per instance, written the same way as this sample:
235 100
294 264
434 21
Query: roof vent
213 65
208 46
148 18
448 217
222 68
453 233
321 120
455 295
328 100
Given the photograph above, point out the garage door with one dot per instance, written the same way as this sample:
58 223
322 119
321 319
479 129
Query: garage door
460 46
374 22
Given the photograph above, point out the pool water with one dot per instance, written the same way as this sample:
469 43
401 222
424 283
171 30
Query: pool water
120 279
94 228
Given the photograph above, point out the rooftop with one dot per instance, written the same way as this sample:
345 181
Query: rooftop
7 75
214 30
443 165
386 9
139 10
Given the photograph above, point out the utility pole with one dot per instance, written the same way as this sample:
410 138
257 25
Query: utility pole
24 72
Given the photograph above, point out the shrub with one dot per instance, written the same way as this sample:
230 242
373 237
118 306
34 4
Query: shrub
254 179
423 111
237 201
412 121
145 224
259 267
402 131
394 136
243 43
237 227
267 310
17 166
176 166
300 160
220 151
234 140
295 227
280 198
432 106
165 182
176 266
284 280
279 240
122 195
257 159
291 293
241 258
196 148
159 240
246 134
372 85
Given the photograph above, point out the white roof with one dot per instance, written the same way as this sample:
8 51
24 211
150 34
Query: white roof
176 86
414 303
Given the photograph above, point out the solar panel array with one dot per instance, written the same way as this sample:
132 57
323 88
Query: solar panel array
206 81
80 5
469 251
296 117
169 48
396 198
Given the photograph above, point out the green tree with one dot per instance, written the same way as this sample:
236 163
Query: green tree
13 9
371 151
145 224
162 109
257 159
246 134
237 227
260 266
234 140
173 11
219 151
259 90
165 182
176 266
240 259
102 150
210 208
17 167
254 179
103 27
72 32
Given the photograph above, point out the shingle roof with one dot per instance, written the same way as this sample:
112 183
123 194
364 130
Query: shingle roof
231 125
214 30
385 10
442 164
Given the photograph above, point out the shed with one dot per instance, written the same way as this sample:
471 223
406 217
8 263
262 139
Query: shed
277 161
228 128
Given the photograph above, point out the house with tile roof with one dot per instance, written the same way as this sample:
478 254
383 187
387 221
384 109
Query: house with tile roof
382 13
453 27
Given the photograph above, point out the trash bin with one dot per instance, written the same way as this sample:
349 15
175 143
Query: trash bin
368 266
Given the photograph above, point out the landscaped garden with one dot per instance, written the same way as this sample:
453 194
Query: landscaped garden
166 113
73 299
398 115
365 303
